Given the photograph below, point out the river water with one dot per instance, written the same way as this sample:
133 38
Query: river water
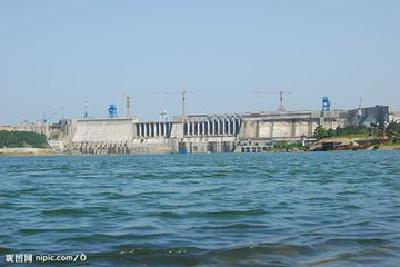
257 209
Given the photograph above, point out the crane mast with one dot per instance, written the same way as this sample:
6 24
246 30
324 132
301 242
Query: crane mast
282 93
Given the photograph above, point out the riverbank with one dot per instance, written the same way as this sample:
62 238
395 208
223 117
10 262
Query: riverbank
6 152
397 147
27 151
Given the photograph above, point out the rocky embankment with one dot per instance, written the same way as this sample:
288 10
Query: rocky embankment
345 143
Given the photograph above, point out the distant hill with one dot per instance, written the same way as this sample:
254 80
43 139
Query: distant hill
12 139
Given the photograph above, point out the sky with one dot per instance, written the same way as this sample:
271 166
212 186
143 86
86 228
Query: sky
63 53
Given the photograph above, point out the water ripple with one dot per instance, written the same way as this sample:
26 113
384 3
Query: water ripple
261 209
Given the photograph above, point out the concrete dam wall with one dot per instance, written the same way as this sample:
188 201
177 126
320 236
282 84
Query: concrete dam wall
288 125
103 131
198 134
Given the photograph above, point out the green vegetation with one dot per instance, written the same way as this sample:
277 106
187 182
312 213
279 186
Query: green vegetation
351 131
354 131
320 132
393 132
393 129
285 145
13 139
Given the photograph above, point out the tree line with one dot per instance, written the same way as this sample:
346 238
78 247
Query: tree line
393 129
15 139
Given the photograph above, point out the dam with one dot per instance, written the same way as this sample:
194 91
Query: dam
201 133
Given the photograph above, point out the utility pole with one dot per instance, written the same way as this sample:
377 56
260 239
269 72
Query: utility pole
282 93
86 113
128 105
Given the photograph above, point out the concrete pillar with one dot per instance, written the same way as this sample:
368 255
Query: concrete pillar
223 126
192 131
272 129
203 131
139 125
208 127
234 126
213 126
164 128
293 128
229 126
145 130
198 128
150 129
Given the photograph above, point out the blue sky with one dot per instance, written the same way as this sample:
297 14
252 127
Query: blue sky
62 53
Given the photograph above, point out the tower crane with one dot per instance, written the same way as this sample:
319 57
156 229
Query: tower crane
281 93
183 94
51 114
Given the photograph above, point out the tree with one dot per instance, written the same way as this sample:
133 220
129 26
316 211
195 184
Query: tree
393 128
332 132
320 132
22 139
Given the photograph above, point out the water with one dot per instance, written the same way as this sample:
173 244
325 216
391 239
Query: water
272 209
